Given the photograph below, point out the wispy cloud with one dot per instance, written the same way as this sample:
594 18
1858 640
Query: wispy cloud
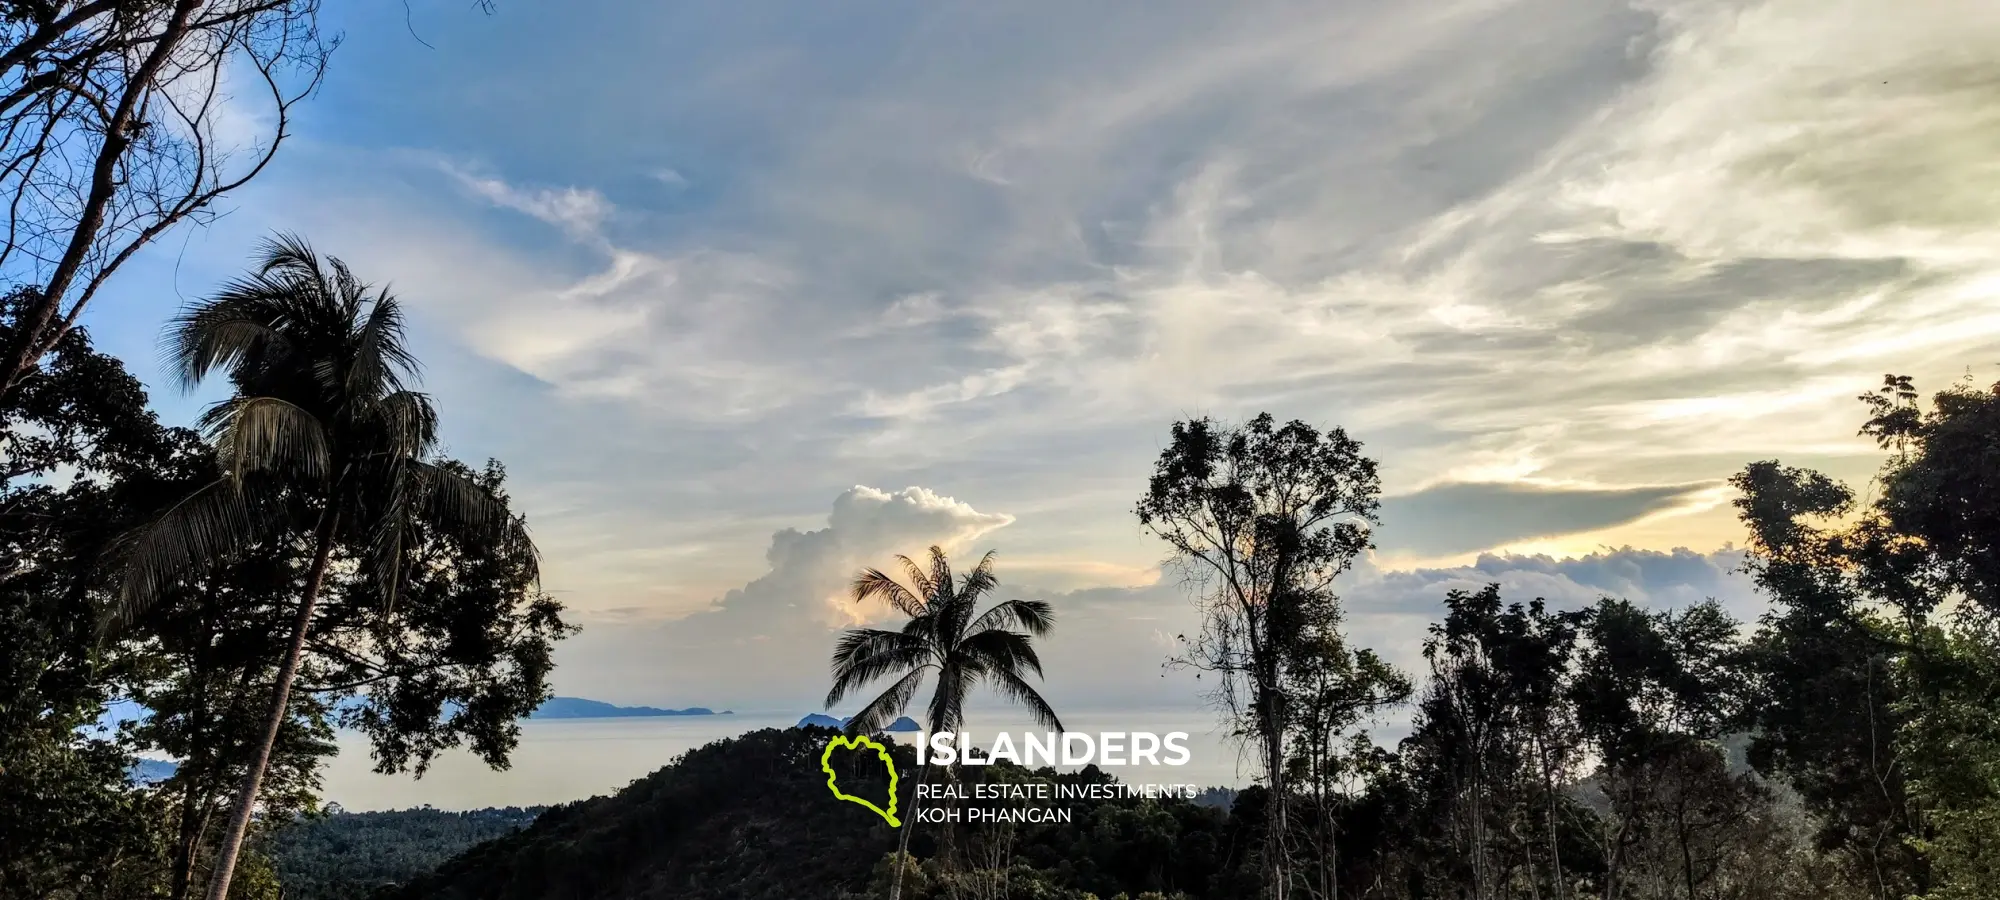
578 211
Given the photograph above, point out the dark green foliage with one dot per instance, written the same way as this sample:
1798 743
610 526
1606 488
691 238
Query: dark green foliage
84 461
347 856
1952 741
454 659
748 818
1875 696
328 451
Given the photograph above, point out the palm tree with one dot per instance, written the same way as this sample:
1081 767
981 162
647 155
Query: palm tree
321 437
941 636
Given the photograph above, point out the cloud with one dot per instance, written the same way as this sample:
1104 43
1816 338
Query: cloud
768 641
1110 643
1389 609
1561 264
580 212
1459 518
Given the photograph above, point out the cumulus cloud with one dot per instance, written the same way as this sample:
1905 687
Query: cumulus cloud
1389 609
768 641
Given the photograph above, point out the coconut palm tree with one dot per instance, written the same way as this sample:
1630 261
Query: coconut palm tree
943 637
322 439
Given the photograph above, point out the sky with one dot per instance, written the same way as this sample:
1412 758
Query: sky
749 295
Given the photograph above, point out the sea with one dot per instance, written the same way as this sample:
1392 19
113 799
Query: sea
560 760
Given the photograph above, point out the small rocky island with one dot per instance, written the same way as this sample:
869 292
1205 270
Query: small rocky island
822 720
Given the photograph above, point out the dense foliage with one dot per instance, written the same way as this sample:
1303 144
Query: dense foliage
747 819
462 654
750 819
348 855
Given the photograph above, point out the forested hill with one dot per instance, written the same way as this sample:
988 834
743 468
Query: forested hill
747 818
751 819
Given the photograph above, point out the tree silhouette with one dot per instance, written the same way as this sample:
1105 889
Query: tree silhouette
322 435
1261 518
944 637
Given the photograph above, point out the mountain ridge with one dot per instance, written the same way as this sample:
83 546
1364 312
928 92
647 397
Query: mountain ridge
581 708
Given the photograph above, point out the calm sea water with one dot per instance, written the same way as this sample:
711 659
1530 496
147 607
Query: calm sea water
560 760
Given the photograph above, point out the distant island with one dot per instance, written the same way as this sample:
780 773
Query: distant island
579 708
903 723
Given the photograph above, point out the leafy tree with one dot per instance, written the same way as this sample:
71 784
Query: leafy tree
212 652
1334 690
1951 739
84 459
1653 696
1879 701
460 658
321 438
1827 699
945 635
1477 751
1263 518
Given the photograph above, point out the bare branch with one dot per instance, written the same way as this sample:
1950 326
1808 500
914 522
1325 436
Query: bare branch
117 123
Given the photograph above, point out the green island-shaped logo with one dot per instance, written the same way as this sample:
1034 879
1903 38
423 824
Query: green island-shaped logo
857 742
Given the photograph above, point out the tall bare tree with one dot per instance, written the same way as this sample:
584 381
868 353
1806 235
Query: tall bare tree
120 119
1262 518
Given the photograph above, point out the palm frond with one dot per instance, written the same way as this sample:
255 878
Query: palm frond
267 434
459 507
947 707
890 703
1036 617
204 528
920 580
864 655
408 422
239 323
381 356
936 636
1017 689
875 584
392 520
288 253
999 650
940 585
974 584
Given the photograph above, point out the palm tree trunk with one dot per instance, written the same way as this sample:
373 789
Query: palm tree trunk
903 842
281 696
